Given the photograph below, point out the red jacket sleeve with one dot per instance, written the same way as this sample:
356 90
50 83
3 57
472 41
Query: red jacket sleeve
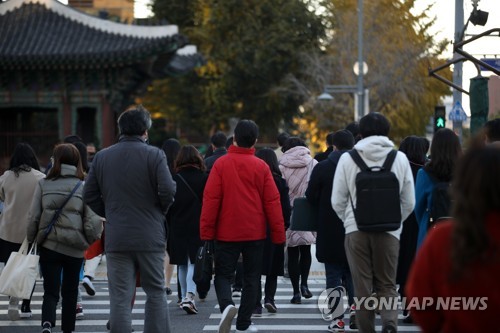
272 209
426 276
212 197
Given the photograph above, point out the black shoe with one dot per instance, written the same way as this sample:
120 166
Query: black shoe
408 320
168 291
296 299
25 310
270 306
47 327
305 292
389 329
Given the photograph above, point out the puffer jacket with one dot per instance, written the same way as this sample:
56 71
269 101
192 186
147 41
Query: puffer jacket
296 165
77 226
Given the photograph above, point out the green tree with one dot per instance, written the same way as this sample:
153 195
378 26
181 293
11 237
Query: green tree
250 47
398 49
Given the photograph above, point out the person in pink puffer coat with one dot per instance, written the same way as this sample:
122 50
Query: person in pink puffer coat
296 165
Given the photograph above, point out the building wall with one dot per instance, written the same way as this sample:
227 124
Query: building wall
123 9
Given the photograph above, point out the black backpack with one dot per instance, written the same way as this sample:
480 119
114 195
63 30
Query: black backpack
378 206
440 205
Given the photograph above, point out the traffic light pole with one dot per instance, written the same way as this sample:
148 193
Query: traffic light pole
457 67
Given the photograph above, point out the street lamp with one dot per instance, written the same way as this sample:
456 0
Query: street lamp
360 94
361 97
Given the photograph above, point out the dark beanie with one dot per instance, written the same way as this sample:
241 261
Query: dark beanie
343 140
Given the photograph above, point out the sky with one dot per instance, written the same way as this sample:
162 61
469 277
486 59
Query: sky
444 28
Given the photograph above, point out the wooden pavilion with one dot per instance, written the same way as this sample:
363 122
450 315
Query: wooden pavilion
65 72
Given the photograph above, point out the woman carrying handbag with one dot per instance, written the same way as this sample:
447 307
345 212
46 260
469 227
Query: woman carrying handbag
63 227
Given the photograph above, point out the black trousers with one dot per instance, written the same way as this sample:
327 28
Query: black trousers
299 264
56 266
226 258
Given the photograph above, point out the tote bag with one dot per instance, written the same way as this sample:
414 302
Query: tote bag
203 266
304 216
19 274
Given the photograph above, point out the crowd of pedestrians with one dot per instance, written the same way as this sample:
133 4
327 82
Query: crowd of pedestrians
159 206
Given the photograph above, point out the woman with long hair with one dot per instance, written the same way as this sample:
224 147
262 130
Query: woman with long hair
184 221
274 255
171 148
296 165
445 151
63 238
415 149
461 258
17 185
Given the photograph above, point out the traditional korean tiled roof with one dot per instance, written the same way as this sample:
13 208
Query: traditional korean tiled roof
46 35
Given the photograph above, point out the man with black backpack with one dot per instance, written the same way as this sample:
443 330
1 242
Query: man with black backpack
373 192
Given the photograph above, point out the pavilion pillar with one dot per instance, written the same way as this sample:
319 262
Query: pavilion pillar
108 124
66 116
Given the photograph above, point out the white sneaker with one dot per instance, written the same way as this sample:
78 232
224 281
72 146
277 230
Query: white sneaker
189 306
89 287
236 293
251 328
13 312
227 318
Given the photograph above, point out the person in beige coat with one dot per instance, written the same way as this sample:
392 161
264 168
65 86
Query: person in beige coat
296 165
62 246
17 185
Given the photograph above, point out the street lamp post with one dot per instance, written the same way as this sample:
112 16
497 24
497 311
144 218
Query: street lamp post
361 69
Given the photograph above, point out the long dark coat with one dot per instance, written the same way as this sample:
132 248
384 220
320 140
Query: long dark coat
184 216
407 240
331 233
274 255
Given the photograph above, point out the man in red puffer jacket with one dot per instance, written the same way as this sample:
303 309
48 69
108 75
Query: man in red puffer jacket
239 201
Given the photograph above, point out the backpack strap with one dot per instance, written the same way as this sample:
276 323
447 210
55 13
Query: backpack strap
358 160
389 160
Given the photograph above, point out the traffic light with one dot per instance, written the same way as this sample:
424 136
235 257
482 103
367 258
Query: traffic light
439 118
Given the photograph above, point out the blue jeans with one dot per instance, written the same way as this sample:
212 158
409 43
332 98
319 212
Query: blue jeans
185 274
122 270
340 275
226 258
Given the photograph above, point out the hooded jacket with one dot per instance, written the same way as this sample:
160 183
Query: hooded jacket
296 166
373 151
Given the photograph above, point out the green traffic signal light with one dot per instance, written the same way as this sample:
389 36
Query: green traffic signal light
439 118
440 122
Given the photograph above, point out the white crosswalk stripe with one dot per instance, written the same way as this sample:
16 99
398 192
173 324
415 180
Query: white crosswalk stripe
289 318
295 317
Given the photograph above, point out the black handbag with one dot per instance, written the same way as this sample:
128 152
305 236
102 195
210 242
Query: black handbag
304 215
204 264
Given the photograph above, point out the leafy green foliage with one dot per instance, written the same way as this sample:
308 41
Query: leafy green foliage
266 59
398 50
250 46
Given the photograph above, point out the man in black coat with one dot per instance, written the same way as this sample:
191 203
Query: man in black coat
219 149
330 235
324 155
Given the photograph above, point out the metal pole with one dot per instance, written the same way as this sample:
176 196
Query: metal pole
361 98
457 67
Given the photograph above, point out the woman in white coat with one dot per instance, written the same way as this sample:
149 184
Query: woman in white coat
17 186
